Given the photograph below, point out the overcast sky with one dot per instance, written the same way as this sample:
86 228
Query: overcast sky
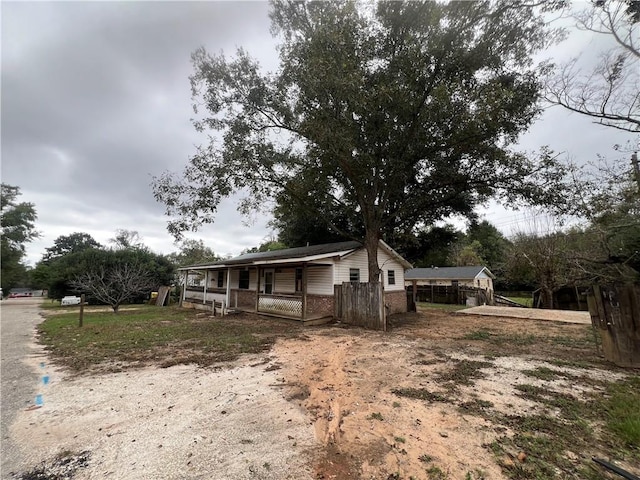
96 100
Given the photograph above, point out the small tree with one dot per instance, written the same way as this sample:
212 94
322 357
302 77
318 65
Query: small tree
115 284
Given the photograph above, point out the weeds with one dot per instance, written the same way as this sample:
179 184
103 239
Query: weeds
420 394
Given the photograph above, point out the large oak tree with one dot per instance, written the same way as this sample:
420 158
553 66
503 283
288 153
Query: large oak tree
387 116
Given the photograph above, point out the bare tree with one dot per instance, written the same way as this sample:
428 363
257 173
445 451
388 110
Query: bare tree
540 253
126 239
609 92
115 284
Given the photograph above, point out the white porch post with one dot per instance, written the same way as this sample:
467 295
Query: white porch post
228 295
206 284
184 289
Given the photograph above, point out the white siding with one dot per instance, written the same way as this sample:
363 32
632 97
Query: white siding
386 263
320 280
235 279
213 278
482 274
284 280
358 259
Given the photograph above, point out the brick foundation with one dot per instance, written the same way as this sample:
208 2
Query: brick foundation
396 301
319 306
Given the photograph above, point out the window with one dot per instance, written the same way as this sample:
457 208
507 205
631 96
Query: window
391 277
268 282
354 274
298 279
243 282
220 279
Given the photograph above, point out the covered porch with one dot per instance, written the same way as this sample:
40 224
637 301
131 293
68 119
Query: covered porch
281 290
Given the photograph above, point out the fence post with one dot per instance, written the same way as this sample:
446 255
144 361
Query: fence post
81 319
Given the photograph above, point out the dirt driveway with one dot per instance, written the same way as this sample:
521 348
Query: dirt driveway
438 397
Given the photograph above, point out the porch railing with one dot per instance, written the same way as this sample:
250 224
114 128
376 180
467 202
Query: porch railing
287 305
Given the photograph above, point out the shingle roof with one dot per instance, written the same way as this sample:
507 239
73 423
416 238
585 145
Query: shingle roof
297 252
449 273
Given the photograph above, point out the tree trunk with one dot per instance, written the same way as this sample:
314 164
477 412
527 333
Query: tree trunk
115 307
371 245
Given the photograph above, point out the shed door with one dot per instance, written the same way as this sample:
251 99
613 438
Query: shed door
268 282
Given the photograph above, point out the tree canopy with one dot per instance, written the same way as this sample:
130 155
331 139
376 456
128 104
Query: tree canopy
17 221
387 116
73 243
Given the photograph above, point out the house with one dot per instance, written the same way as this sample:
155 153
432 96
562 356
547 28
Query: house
441 284
298 283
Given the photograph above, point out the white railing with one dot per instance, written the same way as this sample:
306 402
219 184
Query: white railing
286 305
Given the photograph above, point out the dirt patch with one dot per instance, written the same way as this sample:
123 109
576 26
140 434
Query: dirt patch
432 400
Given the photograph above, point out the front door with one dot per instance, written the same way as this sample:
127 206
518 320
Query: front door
268 282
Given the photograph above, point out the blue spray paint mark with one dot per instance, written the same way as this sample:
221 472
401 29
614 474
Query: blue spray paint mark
45 380
39 400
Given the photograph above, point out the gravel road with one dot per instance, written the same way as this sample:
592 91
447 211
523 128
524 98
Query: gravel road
19 316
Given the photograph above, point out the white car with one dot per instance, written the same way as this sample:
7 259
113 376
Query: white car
70 300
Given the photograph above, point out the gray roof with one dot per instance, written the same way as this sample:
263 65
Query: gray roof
449 273
297 252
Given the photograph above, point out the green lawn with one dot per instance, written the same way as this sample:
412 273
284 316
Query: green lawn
165 336
446 307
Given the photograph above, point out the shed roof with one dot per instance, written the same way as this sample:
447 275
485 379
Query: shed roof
446 273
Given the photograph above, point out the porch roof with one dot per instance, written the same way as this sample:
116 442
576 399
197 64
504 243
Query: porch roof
288 255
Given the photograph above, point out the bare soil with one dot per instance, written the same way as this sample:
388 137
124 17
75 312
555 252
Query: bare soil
333 402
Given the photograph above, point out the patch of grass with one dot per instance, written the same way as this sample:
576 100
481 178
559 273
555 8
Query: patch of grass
420 394
623 411
425 458
435 473
463 373
399 440
547 374
395 404
500 339
524 301
478 335
164 336
446 307
583 341
376 416
475 407
571 364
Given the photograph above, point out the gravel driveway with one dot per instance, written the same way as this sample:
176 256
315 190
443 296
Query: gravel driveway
182 422
19 316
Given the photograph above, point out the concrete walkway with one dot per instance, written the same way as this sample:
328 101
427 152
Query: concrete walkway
567 316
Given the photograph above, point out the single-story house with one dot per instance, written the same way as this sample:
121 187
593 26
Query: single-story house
475 277
297 283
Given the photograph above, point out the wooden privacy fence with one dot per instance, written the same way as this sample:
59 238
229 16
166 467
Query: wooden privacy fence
615 314
360 304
